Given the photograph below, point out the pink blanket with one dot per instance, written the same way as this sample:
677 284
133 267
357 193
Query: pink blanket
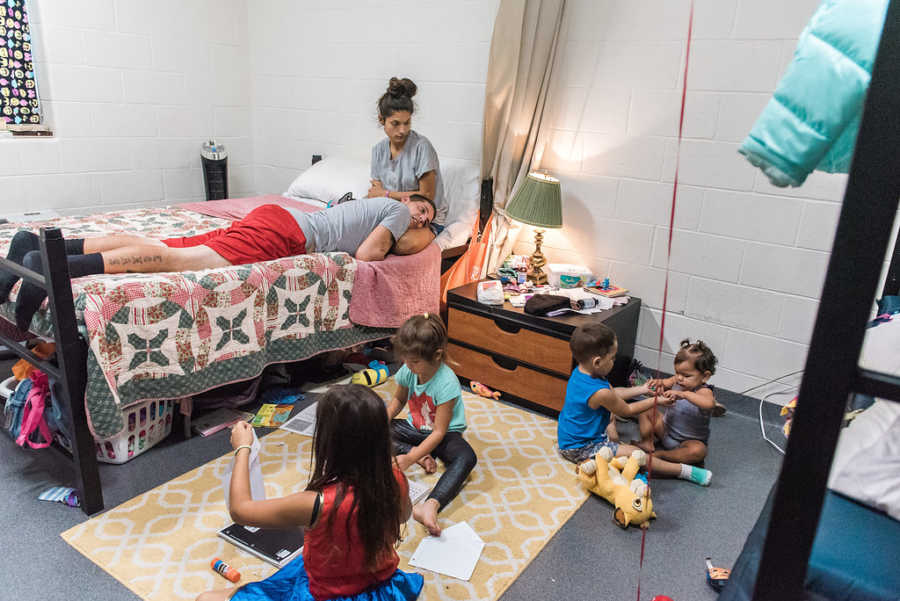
385 293
237 208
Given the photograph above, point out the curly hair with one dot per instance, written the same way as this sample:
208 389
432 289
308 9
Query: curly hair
699 354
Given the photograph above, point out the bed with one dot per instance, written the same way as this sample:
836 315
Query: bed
126 339
858 535
851 552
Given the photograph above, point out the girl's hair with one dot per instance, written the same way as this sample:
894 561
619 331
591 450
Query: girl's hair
698 353
421 337
397 98
352 448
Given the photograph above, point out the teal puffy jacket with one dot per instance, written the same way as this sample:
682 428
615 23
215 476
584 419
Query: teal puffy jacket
812 120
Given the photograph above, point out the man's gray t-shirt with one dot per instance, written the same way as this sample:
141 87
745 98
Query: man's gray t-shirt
347 225
402 174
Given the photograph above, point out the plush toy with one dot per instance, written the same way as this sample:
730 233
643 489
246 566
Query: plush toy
614 480
482 390
375 374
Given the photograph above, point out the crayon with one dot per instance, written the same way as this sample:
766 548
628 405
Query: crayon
225 570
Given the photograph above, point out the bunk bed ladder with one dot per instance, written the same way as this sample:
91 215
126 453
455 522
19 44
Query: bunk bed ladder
832 371
71 354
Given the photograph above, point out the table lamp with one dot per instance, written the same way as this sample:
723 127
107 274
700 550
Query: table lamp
537 202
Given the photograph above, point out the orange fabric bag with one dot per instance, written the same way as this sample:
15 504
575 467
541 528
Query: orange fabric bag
468 267
22 369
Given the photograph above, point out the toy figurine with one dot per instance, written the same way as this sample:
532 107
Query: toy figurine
482 390
716 578
605 284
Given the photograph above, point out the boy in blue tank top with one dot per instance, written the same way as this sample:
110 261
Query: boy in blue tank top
590 401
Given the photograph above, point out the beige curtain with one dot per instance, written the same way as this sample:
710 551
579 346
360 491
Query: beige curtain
524 45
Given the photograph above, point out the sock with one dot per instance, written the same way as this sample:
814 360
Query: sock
697 475
30 296
74 246
22 243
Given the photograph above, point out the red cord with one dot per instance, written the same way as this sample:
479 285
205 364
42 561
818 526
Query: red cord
662 325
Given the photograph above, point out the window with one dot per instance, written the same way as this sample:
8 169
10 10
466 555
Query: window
20 109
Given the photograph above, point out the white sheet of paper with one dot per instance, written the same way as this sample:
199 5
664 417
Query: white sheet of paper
454 553
417 491
304 422
257 486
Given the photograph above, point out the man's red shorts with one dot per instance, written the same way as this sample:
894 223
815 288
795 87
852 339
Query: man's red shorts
268 232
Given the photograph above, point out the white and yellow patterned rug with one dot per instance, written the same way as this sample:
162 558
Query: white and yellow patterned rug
160 543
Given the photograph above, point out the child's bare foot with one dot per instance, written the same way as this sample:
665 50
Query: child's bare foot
426 514
428 464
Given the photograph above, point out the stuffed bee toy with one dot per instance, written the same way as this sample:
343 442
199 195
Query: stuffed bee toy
375 374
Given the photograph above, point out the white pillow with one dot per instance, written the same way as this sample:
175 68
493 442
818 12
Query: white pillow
866 464
331 178
462 188
334 176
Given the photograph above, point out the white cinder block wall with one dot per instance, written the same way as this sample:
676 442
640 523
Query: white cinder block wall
748 259
318 69
131 89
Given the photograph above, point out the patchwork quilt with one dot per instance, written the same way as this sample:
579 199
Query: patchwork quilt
173 335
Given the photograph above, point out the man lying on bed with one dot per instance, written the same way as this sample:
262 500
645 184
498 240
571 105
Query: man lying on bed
368 230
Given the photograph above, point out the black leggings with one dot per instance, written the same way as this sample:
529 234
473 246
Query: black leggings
453 450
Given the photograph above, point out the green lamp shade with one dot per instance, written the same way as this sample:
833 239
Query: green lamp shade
537 202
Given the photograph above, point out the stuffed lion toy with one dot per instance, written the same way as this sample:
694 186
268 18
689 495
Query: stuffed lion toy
614 480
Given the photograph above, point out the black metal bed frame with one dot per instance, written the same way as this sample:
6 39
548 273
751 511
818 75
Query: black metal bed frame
832 372
69 369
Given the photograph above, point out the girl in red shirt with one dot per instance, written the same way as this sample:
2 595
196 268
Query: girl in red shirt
352 508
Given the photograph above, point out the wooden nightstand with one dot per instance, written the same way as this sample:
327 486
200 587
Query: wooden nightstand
524 356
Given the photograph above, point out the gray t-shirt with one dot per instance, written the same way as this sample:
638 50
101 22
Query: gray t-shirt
347 225
402 174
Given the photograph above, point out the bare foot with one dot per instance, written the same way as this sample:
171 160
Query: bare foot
426 514
428 464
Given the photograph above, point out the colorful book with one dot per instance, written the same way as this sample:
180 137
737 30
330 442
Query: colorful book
219 419
609 292
272 416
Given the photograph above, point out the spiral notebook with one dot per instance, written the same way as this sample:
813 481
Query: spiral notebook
278 547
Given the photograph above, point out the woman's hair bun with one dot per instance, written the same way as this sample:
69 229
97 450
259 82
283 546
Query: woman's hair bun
401 87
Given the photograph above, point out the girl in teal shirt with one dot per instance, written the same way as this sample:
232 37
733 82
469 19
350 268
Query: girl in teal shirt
437 419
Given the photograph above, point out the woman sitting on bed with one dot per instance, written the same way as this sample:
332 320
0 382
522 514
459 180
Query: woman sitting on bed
368 230
405 162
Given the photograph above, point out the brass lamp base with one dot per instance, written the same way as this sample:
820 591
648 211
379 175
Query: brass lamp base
537 275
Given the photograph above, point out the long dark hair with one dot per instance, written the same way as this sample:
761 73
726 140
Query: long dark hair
397 98
352 447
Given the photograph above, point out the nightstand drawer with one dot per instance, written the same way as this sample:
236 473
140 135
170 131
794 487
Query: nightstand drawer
511 340
512 378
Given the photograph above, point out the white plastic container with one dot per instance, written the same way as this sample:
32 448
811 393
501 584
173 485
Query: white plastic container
563 275
145 425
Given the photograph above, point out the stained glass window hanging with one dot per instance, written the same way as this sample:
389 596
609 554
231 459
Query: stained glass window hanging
19 104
